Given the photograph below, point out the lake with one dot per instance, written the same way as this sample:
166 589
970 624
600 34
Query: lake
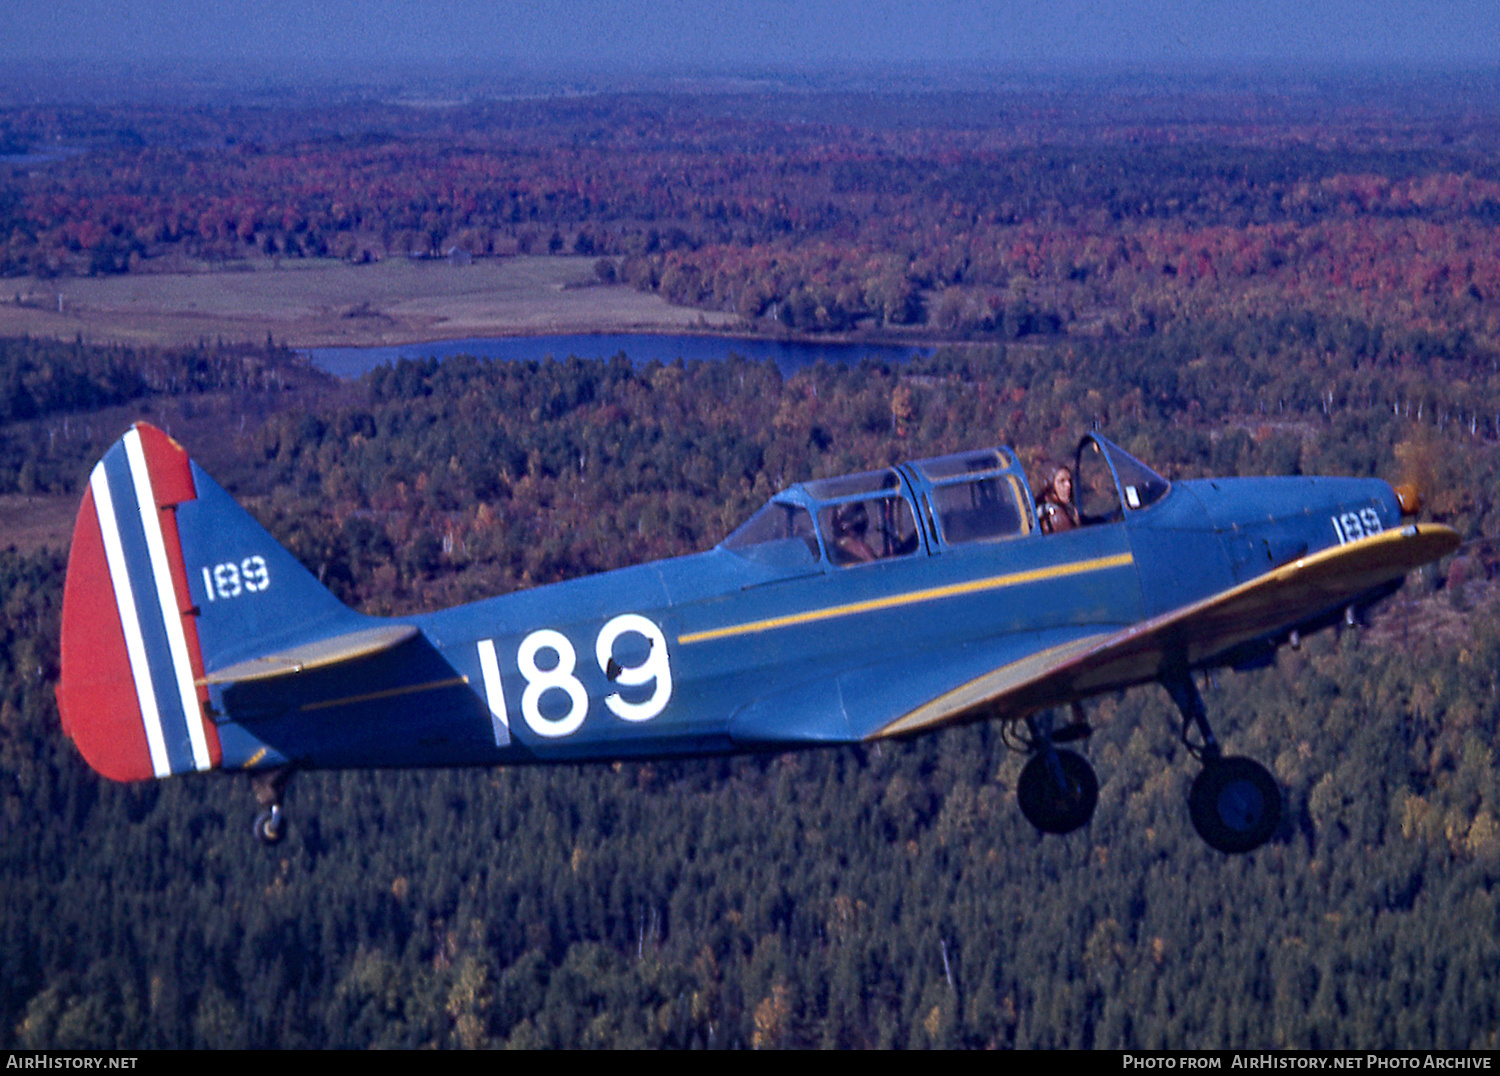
351 362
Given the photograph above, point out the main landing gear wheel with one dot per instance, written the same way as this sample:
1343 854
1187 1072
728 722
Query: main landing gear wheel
1235 805
1057 800
270 828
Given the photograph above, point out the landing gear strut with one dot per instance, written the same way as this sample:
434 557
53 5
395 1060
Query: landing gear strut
270 824
1058 790
1234 803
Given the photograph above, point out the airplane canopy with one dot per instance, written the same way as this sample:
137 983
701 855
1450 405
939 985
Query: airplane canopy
923 506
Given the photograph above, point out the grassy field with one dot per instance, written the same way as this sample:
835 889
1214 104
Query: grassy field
29 523
331 303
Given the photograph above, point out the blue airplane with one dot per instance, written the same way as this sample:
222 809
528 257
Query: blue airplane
845 611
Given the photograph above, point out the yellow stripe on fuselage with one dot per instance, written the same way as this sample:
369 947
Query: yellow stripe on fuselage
896 601
388 693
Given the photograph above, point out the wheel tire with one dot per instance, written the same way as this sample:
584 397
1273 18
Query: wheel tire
1235 805
1052 809
269 827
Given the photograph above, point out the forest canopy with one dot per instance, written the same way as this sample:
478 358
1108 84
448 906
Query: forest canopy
894 898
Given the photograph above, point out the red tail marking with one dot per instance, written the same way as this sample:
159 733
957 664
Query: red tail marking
96 693
171 473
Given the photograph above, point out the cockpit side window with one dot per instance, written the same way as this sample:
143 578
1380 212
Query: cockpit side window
869 529
982 510
978 496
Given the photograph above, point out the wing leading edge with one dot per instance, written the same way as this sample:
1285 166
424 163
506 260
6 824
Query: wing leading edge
1282 598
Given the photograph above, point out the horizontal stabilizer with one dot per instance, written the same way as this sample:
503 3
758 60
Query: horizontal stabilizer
314 655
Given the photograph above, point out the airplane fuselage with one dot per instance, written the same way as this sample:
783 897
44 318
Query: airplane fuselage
845 610
716 652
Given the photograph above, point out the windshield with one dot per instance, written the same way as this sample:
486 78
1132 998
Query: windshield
781 533
1108 477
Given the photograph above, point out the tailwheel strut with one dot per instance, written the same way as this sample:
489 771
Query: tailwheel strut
1234 803
269 786
1058 790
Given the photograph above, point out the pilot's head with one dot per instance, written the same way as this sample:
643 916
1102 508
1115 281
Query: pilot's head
851 519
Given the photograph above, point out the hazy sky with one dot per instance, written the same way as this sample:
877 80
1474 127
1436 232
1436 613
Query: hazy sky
710 33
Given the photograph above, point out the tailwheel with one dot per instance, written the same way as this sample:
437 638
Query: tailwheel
1235 804
1057 791
270 786
270 828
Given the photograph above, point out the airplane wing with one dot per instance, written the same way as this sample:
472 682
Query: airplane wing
1282 598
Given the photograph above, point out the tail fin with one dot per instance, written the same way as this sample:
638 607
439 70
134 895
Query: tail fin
169 579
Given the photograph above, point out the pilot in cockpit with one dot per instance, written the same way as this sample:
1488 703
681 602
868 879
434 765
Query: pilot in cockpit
851 522
1055 510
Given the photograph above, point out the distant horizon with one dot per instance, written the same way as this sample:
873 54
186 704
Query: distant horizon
59 78
656 36
749 67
